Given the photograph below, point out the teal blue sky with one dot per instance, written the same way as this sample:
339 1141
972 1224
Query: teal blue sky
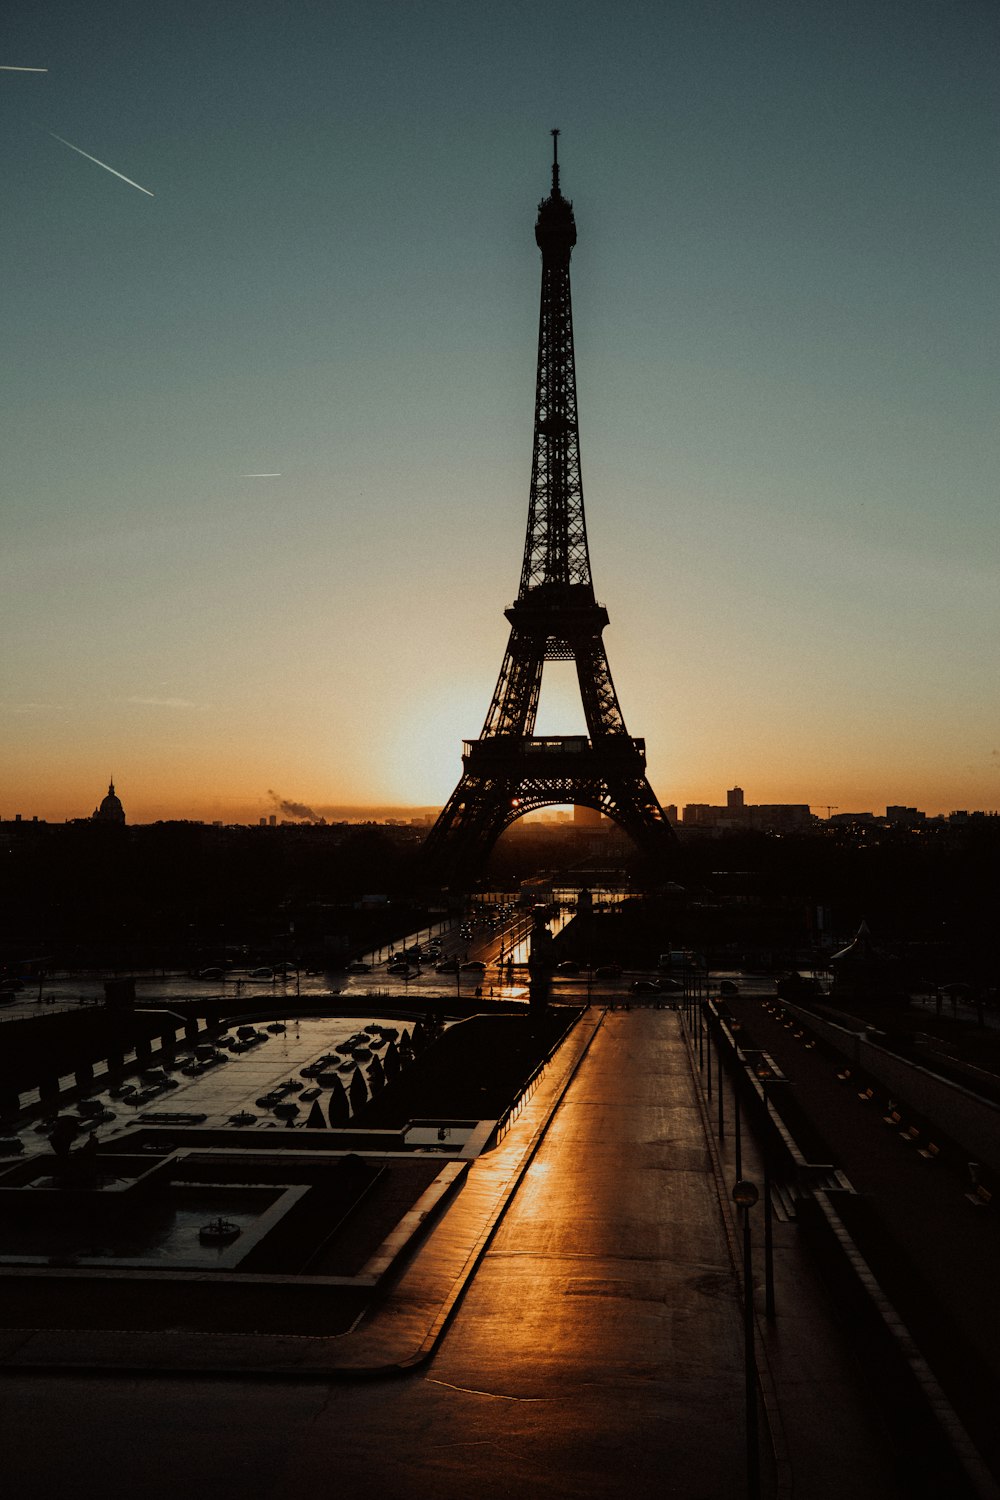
786 332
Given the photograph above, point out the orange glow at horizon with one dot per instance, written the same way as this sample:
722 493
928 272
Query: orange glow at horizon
211 791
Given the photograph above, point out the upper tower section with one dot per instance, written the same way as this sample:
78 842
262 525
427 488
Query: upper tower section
555 227
555 549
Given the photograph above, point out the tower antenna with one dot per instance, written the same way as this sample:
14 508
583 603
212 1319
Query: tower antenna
555 161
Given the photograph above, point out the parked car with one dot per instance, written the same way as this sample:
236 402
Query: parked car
476 965
608 971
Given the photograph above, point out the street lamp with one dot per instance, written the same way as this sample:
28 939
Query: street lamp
764 1077
745 1195
737 1135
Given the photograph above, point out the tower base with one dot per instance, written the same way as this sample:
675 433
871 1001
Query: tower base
504 778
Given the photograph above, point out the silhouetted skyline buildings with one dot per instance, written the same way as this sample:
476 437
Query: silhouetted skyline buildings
692 818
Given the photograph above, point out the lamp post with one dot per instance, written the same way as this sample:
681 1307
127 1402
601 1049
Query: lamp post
722 1095
745 1195
737 1130
764 1078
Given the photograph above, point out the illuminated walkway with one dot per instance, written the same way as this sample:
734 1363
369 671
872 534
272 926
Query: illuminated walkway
597 1350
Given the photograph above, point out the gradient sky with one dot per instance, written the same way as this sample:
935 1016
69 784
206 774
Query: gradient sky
786 333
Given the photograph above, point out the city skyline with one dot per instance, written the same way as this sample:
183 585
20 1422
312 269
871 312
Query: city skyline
286 812
269 431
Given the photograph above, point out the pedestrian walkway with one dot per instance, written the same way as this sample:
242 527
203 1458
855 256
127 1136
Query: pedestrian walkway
598 1350
570 1325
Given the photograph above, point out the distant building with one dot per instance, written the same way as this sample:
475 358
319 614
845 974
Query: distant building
110 810
904 817
779 817
587 817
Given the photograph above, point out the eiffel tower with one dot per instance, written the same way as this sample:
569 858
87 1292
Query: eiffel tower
509 770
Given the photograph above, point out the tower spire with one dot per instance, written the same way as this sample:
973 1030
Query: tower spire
555 163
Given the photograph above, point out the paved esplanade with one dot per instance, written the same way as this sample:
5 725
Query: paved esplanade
597 1350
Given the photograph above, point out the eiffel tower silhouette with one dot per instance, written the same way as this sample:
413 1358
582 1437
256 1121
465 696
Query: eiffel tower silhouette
509 770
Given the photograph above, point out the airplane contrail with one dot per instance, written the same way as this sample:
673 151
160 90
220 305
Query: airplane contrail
103 164
7 68
260 476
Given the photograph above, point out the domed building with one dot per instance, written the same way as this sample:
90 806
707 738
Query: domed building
110 810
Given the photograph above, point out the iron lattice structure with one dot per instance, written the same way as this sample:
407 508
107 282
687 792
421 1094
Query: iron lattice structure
509 770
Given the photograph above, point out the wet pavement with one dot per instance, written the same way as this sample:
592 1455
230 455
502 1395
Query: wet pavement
571 1325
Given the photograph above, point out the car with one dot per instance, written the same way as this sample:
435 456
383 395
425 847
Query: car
310 1093
645 987
728 987
475 965
671 986
398 968
359 968
450 966
568 966
608 971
